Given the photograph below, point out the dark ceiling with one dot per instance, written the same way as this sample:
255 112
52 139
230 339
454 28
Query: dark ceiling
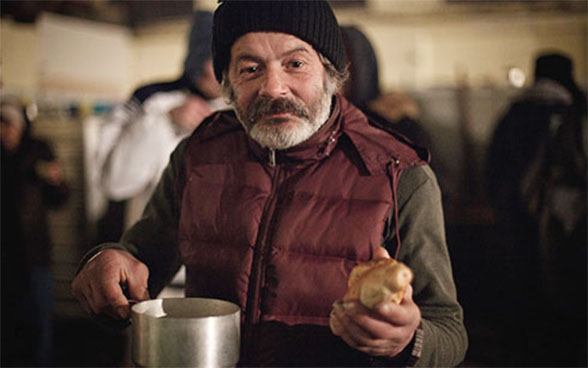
135 13
130 13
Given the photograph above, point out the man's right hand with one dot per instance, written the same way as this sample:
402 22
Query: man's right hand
99 285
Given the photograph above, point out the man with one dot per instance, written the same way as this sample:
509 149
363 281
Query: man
135 144
537 186
33 184
362 89
271 206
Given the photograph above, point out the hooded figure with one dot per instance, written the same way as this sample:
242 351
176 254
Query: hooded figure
560 69
135 144
552 95
536 182
364 83
396 110
198 54
199 47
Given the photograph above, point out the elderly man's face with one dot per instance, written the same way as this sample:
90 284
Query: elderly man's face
279 88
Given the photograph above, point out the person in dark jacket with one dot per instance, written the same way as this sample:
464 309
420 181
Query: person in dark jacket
398 110
271 205
536 182
32 183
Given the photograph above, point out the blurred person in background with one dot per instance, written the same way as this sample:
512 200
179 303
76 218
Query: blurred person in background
536 181
135 144
32 183
395 110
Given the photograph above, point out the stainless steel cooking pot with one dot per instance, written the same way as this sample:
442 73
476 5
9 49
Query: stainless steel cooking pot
185 332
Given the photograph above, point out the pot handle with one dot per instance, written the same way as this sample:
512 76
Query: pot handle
114 324
110 323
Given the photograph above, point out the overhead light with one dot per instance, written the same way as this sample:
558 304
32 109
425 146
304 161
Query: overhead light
516 77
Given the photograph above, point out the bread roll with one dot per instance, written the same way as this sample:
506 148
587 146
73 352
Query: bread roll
377 281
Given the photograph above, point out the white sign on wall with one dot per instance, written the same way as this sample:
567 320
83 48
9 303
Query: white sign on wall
82 56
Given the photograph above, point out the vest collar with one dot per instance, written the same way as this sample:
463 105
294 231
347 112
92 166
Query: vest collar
379 146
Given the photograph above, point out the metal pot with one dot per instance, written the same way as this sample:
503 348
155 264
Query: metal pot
185 332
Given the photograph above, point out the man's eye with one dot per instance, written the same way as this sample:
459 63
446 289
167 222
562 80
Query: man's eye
249 70
296 64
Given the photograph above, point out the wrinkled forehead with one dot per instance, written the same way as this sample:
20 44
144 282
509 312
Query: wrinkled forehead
269 44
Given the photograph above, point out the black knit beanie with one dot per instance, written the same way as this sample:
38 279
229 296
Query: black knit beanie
312 21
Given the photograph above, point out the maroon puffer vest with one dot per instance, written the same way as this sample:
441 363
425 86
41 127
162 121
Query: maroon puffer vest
280 239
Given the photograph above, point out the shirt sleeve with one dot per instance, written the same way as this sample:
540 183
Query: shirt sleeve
424 249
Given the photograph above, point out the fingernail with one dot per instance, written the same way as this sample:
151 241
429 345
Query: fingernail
348 307
384 308
335 327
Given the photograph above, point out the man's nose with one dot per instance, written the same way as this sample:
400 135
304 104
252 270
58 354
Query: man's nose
274 84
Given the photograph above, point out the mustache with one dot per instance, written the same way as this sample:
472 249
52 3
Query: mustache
264 105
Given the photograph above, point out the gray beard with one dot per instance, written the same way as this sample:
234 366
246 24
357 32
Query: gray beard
274 136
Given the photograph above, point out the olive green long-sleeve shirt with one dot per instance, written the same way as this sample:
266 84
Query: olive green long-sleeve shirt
420 219
424 249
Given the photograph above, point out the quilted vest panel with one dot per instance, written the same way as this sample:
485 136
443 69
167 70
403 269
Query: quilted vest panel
280 240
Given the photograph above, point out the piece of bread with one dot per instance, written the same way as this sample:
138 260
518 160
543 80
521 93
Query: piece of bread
377 281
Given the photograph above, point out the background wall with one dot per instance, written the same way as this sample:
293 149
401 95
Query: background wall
417 48
437 50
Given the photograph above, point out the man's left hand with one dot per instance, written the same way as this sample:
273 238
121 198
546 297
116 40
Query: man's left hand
384 331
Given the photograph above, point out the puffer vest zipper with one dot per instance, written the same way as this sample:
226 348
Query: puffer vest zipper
280 240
